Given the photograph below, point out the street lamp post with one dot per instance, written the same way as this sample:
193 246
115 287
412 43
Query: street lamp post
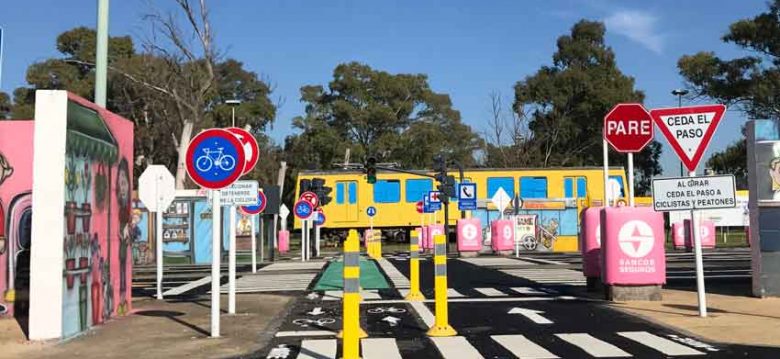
232 234
680 93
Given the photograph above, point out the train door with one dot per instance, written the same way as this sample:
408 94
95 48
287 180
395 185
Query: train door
346 208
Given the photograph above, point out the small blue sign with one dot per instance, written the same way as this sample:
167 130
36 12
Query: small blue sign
215 158
433 200
303 209
467 196
319 219
371 211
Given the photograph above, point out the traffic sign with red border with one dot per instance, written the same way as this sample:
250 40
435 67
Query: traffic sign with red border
628 127
689 129
251 148
310 197
257 209
303 209
419 206
214 158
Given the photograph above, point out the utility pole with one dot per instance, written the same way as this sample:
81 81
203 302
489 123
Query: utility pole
101 54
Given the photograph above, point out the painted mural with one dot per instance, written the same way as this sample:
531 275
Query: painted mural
15 215
99 228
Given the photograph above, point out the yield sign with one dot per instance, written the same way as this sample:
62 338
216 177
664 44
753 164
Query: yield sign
689 129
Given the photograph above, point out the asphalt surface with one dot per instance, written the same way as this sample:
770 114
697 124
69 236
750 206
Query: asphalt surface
499 312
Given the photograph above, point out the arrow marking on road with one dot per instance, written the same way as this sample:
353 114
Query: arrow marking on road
533 315
392 320
316 311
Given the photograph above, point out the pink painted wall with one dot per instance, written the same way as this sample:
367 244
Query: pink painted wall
16 148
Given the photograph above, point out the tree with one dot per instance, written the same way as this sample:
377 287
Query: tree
750 83
396 117
566 104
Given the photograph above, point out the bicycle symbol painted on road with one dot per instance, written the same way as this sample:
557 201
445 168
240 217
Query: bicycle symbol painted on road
211 158
381 310
318 322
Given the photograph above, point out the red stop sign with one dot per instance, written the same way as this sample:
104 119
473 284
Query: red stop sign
628 127
419 207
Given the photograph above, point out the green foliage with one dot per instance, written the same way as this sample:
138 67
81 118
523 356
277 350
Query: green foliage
750 83
396 117
565 105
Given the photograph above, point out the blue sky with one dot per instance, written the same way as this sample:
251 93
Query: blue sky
467 48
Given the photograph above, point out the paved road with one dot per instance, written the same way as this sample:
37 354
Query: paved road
501 308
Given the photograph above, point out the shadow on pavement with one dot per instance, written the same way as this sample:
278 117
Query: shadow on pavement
172 316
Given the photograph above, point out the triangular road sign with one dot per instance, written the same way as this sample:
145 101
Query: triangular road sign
689 129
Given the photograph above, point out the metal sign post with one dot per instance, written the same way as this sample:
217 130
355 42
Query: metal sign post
157 189
216 213
254 244
232 262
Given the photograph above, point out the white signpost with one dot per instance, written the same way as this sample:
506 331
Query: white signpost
689 131
501 200
240 193
157 189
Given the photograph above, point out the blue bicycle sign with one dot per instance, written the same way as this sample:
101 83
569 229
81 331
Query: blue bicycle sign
303 209
213 157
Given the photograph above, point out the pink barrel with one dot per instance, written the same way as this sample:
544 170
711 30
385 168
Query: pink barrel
633 246
590 241
681 234
284 241
469 235
502 235
424 244
433 230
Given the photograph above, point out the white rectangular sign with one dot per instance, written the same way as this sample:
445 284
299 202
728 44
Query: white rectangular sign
240 193
686 193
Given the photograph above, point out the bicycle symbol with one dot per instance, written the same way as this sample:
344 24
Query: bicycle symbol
216 158
319 322
381 310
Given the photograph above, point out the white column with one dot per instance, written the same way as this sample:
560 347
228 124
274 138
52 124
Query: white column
605 152
232 262
216 252
631 179
303 240
254 244
159 247
700 290
317 240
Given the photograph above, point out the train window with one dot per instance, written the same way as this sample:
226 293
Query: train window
340 193
494 183
387 191
417 188
533 187
352 192
569 190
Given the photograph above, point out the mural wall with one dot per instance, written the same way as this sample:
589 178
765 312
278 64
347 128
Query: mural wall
99 228
15 214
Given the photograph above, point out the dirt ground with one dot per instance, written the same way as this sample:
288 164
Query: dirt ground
731 318
162 329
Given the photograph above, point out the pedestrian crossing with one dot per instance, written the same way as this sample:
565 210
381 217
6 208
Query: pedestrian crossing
548 275
278 277
369 295
496 262
580 345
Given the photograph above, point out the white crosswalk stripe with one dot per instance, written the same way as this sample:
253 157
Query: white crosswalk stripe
452 293
370 294
318 349
456 347
379 348
595 347
489 262
522 347
491 292
662 345
396 277
278 277
549 275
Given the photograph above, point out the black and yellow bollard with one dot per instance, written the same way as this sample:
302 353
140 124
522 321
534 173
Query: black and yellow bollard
441 326
351 327
414 269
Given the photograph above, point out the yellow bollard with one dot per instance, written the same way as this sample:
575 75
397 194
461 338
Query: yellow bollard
351 331
441 327
414 269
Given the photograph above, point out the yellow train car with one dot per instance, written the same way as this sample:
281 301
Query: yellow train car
395 195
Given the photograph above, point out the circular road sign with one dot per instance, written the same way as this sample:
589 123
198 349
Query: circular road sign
251 148
256 209
628 127
303 209
371 211
310 197
215 158
419 207
319 218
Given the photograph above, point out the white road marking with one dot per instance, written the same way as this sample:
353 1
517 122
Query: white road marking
318 349
338 294
531 291
456 347
379 348
548 275
660 344
187 287
478 300
306 333
491 292
423 312
494 261
540 260
523 348
533 315
396 277
452 293
595 347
